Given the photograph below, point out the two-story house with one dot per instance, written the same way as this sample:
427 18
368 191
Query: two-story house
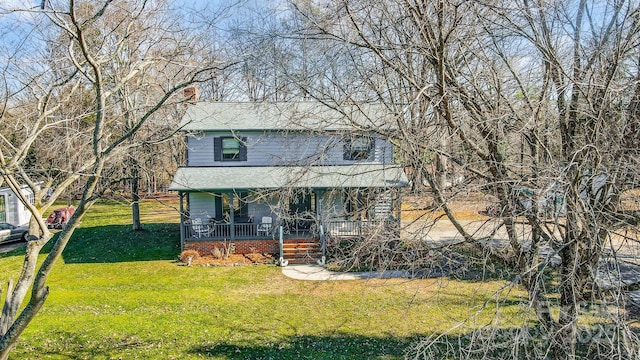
262 174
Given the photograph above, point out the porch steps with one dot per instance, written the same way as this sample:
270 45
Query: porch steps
301 251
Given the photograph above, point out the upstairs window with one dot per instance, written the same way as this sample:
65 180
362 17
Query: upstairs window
358 148
229 148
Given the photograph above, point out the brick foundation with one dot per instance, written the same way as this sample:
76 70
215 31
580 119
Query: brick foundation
241 246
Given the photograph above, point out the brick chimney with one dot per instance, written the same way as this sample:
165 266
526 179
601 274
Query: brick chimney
191 94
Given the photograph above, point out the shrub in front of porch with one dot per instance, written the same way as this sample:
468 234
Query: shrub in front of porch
188 256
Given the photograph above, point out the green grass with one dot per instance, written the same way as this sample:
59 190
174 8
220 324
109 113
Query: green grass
120 294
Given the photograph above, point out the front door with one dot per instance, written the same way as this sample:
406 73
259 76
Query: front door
302 211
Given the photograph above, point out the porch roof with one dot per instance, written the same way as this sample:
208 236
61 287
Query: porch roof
275 177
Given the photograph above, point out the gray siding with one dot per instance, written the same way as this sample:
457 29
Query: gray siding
200 151
333 207
202 205
295 148
258 210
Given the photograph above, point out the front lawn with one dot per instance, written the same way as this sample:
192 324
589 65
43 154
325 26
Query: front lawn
122 295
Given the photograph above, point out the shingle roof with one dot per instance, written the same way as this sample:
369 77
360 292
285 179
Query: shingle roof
275 177
225 116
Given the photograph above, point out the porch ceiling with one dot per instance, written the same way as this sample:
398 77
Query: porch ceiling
275 177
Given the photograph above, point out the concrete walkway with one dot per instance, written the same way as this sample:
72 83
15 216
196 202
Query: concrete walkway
317 272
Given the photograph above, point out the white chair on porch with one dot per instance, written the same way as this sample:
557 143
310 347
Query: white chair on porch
199 228
265 225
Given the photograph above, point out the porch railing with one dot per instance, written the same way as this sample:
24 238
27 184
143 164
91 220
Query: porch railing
240 231
222 231
344 228
337 228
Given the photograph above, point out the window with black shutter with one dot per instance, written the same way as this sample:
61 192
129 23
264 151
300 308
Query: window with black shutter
229 148
358 148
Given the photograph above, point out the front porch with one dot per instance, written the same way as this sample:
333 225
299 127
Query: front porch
250 204
296 245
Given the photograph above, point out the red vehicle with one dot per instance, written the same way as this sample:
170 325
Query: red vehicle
59 217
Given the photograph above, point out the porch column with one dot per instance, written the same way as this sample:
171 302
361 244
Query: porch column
232 227
181 196
321 228
319 207
398 204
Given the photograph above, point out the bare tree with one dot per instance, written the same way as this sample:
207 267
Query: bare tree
97 75
536 102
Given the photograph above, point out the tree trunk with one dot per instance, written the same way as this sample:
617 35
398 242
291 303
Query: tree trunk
442 164
135 197
564 338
